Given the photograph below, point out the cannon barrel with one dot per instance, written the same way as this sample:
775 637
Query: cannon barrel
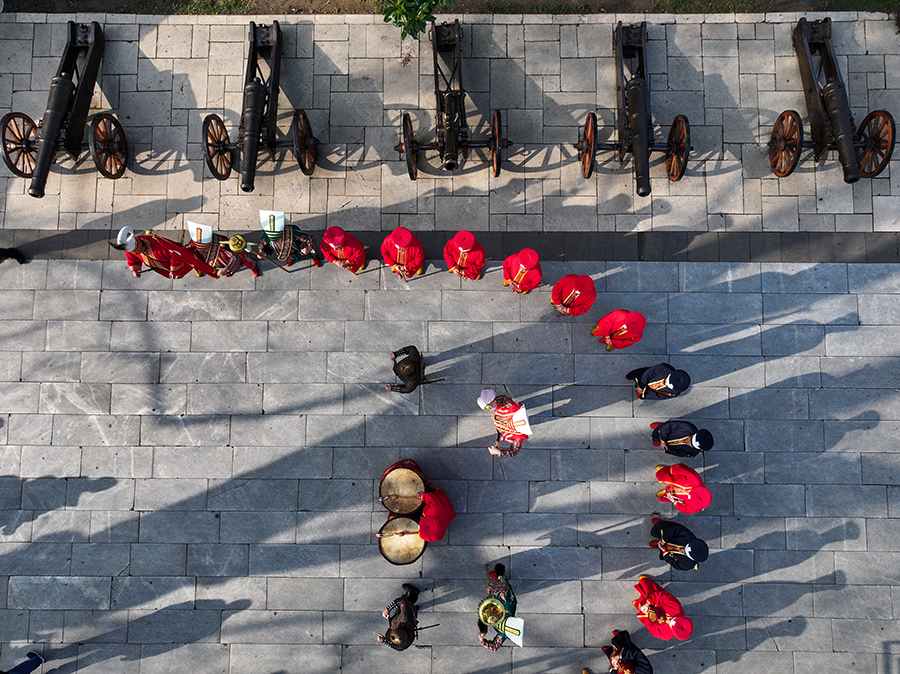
251 123
452 104
58 102
834 94
637 96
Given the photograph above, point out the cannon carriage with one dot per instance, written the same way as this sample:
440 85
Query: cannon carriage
634 124
864 151
30 149
452 142
259 117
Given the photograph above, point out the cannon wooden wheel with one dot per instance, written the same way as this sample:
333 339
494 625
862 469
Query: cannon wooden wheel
216 147
785 143
304 143
877 135
587 146
19 143
409 147
679 147
497 142
108 145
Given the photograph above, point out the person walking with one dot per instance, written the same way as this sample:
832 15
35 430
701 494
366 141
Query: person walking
284 242
437 514
522 271
464 256
402 617
624 656
409 366
677 545
510 419
660 612
573 295
681 438
403 253
620 329
159 254
343 249
500 603
683 487
659 382
213 249
34 661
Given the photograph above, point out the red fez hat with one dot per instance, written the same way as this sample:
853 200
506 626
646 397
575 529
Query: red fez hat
635 321
429 528
464 239
682 627
401 237
528 257
333 236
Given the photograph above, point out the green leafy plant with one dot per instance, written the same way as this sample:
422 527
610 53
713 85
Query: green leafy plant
210 6
411 16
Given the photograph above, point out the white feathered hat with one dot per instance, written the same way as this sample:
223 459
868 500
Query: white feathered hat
487 395
272 221
200 233
125 240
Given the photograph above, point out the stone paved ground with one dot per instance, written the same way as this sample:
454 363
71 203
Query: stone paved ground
189 468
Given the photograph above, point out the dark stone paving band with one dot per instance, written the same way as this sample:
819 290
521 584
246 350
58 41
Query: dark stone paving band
556 246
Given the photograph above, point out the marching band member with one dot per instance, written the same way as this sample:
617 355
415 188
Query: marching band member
402 616
620 329
522 271
681 438
208 245
464 255
624 656
343 249
677 545
510 419
437 514
658 382
684 488
409 366
500 603
660 612
161 255
573 295
403 253
285 242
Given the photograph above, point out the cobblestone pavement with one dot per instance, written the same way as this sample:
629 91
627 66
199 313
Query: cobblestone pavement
189 468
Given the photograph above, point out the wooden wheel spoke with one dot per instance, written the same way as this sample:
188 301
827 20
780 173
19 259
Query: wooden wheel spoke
20 141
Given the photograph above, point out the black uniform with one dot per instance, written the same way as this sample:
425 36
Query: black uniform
628 652
673 533
650 382
403 612
416 377
677 435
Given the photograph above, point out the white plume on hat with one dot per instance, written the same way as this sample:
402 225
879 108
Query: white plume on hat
520 421
487 395
125 239
200 233
272 221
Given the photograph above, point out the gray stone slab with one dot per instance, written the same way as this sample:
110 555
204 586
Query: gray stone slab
812 468
179 527
148 592
591 401
792 340
312 561
215 559
769 500
410 431
257 527
189 368
176 625
158 559
71 592
812 308
290 337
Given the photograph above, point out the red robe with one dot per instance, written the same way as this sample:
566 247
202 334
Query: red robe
502 415
522 281
470 262
167 258
624 328
573 294
663 603
351 250
439 508
684 484
412 256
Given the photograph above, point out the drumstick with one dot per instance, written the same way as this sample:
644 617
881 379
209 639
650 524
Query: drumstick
384 498
395 533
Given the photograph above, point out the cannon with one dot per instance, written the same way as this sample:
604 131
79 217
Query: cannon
452 140
634 123
258 117
864 151
30 149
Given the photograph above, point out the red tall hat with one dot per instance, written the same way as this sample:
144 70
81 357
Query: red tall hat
401 237
464 239
333 236
635 321
528 257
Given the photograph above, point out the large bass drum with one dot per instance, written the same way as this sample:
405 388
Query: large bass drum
399 542
398 487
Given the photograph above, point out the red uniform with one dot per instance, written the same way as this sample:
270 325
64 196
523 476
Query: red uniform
504 408
166 258
464 255
522 271
436 515
660 612
403 253
345 250
573 294
622 329
684 487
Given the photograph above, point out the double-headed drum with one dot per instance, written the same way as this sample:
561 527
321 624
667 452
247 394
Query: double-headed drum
398 487
399 542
